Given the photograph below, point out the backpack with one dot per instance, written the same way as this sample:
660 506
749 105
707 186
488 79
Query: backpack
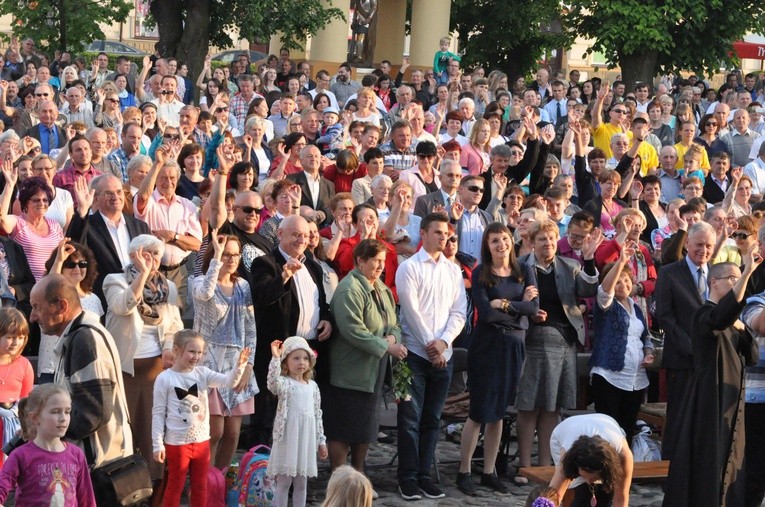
216 488
252 487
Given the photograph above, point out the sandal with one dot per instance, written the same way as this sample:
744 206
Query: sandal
520 480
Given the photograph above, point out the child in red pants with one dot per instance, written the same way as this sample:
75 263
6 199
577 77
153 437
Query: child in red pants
180 426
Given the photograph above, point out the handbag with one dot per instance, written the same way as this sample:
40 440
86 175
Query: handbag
124 481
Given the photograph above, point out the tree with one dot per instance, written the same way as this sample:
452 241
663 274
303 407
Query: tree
650 37
66 25
186 29
511 36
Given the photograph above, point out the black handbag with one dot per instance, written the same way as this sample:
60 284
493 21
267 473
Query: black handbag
124 481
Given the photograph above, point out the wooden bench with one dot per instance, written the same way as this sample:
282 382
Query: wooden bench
643 472
654 414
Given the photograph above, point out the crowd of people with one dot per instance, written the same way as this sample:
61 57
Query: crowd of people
311 230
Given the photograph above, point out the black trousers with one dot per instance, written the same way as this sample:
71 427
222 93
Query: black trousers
620 404
678 387
754 455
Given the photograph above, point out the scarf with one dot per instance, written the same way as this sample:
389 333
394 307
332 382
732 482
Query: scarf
155 291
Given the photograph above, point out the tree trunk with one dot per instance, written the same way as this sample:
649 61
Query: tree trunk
169 17
195 42
638 67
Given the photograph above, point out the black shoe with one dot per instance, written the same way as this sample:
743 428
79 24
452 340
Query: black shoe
465 484
493 482
409 490
429 489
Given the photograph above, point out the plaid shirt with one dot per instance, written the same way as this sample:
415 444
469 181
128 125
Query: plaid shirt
238 106
120 159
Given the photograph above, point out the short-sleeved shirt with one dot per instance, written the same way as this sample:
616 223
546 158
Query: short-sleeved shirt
602 137
38 248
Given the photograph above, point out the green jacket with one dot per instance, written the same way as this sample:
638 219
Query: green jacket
359 343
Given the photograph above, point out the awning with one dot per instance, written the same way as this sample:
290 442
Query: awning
749 50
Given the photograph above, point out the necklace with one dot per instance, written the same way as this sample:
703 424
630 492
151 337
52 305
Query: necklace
593 500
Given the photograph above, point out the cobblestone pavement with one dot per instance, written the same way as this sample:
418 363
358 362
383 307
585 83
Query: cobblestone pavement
384 481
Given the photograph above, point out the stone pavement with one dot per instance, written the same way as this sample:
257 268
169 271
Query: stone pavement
384 481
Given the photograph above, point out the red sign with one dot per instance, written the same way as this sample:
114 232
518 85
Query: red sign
749 50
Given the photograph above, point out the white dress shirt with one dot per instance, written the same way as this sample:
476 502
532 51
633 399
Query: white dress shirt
433 303
308 300
120 238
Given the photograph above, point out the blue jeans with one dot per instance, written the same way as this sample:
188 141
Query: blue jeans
419 419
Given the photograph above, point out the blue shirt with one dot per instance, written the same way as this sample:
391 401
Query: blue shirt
44 144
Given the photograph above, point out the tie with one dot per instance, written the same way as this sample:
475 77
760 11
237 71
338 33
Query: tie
51 140
557 112
701 284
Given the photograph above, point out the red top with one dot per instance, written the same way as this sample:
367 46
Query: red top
343 181
344 261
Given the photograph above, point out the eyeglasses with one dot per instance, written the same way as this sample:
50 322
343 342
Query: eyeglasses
227 255
249 209
69 264
221 109
619 111
42 94
113 100
711 124
731 278
740 235
38 200
516 153
171 136
475 188
453 239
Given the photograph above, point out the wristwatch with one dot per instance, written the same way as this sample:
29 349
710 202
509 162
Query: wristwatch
175 237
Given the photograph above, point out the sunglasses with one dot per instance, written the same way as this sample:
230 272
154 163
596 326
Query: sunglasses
619 111
740 235
113 100
474 188
711 124
453 239
172 137
75 264
221 109
249 209
42 94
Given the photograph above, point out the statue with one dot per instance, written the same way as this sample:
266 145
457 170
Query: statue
363 27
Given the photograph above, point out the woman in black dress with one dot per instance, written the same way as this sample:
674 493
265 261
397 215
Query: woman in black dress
505 296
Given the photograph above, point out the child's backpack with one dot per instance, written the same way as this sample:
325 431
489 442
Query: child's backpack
252 488
216 488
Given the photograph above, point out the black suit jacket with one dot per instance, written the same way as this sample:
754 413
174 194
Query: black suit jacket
20 277
326 192
34 132
677 299
277 309
256 163
92 231
713 194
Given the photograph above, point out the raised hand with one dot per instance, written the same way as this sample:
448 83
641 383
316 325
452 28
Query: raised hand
83 193
139 261
591 243
281 150
247 140
276 348
218 243
604 89
636 190
10 173
752 258
291 267
64 250
225 160
147 63
627 252
457 210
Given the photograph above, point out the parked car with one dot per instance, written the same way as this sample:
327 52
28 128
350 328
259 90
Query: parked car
113 47
228 56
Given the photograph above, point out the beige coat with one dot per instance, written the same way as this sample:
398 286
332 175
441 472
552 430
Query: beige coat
125 323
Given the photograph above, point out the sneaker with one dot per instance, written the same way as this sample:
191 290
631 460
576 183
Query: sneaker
429 489
465 484
409 490
493 482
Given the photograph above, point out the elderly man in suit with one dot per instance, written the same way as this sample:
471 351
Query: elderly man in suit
442 199
107 231
289 299
50 135
317 191
681 289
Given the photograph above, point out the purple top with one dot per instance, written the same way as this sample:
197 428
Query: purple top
43 478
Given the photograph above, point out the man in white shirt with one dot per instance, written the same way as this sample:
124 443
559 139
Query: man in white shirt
756 171
433 309
322 82
168 105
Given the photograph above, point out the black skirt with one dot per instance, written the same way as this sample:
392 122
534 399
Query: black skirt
352 416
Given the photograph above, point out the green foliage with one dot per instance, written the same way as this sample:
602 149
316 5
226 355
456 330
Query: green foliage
694 35
63 24
511 36
260 19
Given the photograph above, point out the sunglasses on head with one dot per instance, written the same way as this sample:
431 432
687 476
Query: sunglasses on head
69 264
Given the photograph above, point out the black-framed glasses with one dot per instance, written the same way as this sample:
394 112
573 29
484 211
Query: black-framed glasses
69 264
227 255
731 278
475 188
